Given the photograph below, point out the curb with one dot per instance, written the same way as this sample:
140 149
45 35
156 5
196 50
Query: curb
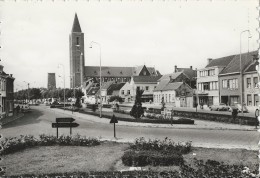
161 125
12 120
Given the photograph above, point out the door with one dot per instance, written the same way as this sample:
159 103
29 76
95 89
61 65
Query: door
183 102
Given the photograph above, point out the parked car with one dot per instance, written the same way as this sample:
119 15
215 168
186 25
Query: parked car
220 107
25 108
238 107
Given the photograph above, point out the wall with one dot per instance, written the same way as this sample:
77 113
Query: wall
127 97
203 79
230 92
244 120
251 91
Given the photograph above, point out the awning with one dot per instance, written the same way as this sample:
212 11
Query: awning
147 96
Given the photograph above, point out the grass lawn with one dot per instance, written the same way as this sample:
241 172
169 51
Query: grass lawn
57 159
105 157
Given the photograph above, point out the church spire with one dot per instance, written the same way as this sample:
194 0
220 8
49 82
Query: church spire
76 26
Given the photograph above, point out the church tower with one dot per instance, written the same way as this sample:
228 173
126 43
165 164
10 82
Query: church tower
77 57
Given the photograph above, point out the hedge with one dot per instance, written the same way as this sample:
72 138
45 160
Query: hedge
165 145
153 158
13 144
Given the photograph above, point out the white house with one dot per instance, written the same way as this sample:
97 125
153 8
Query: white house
146 83
177 94
208 80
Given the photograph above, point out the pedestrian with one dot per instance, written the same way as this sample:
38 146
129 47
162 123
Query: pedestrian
18 109
234 113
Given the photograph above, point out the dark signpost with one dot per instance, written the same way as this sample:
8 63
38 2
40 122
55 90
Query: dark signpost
62 122
114 120
256 117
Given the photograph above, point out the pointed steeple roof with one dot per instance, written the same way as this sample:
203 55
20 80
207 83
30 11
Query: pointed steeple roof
76 26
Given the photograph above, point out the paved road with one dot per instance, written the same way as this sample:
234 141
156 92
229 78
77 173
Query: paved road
40 119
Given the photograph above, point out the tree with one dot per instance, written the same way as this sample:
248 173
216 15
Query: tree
113 98
163 104
137 110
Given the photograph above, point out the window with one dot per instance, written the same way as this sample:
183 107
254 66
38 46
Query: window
255 82
147 88
128 92
224 84
256 99
166 98
249 100
77 40
144 73
138 88
236 83
212 72
206 86
248 81
122 92
169 98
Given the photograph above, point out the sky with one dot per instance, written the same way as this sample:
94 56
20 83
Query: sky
158 33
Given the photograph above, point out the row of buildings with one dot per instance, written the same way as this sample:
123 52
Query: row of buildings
229 79
220 81
6 94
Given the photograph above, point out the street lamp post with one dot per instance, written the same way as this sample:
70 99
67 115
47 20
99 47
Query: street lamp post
28 90
241 71
93 42
64 84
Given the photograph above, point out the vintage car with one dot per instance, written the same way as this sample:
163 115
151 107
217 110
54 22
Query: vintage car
238 107
220 107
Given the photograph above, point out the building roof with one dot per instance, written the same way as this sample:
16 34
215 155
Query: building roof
172 75
221 62
165 85
251 67
93 91
234 65
146 79
192 74
173 86
93 71
106 85
76 25
114 87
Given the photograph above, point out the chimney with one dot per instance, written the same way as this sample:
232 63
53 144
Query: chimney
191 67
1 68
11 75
175 68
209 60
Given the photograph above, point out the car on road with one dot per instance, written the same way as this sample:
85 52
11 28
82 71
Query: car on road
238 107
220 107
25 108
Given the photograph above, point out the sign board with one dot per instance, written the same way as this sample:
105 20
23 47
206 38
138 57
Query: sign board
64 119
64 124
113 119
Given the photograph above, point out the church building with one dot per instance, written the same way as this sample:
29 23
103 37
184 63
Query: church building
81 74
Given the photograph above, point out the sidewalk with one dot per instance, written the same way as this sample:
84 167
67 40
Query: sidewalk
10 119
199 124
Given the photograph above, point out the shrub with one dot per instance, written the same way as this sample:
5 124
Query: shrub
115 98
153 158
166 145
14 144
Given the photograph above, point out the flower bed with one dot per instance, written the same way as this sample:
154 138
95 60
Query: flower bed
13 144
153 158
128 118
155 152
